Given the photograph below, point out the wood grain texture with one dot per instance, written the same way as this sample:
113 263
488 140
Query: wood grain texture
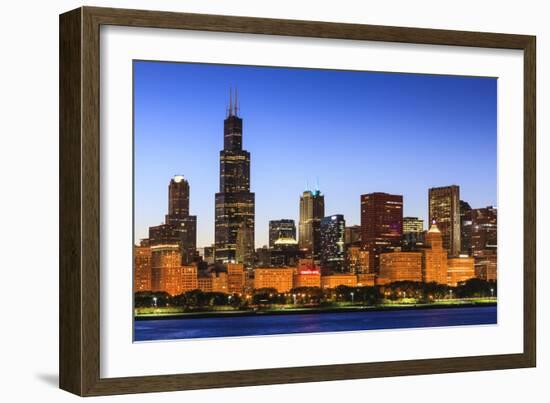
80 195
70 271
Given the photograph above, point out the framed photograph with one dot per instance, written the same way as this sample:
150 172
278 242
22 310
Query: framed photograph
249 201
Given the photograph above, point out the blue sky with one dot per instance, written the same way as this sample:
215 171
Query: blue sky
353 132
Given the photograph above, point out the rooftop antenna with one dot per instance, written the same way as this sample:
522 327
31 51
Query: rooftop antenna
307 185
236 113
317 183
230 112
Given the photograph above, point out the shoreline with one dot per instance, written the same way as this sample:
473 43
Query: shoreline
302 311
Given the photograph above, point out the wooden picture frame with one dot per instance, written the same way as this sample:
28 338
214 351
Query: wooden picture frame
79 346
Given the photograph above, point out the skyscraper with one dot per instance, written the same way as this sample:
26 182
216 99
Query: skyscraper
353 235
465 227
444 209
381 225
412 225
244 253
178 216
413 234
312 211
179 228
281 229
484 230
234 202
333 251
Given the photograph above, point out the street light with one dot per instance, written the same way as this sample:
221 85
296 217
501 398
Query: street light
492 291
352 294
155 301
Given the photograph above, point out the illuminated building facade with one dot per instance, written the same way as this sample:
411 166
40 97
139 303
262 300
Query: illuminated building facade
163 257
381 225
335 280
204 282
400 266
310 277
179 279
413 234
357 260
460 269
444 209
306 264
333 251
279 278
220 282
142 268
413 225
167 272
434 258
235 204
366 280
281 229
312 211
235 278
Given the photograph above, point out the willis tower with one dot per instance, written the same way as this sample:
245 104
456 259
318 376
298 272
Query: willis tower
234 231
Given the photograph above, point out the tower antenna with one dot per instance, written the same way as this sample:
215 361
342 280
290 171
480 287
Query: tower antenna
230 112
236 112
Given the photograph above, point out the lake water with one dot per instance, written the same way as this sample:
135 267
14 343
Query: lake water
168 329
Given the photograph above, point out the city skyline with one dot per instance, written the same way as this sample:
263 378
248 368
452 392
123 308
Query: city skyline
192 149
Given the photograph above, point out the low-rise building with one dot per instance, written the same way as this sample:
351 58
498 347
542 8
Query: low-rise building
179 279
460 269
310 277
366 280
142 268
235 278
335 280
485 265
219 282
279 278
400 266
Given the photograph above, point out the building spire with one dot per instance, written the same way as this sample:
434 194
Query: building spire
230 109
236 107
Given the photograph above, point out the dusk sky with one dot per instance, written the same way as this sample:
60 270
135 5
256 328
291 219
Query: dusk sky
352 132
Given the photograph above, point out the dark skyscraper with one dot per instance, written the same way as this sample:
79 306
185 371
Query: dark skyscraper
444 210
281 229
179 228
381 224
333 251
312 211
465 228
353 235
234 202
484 230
